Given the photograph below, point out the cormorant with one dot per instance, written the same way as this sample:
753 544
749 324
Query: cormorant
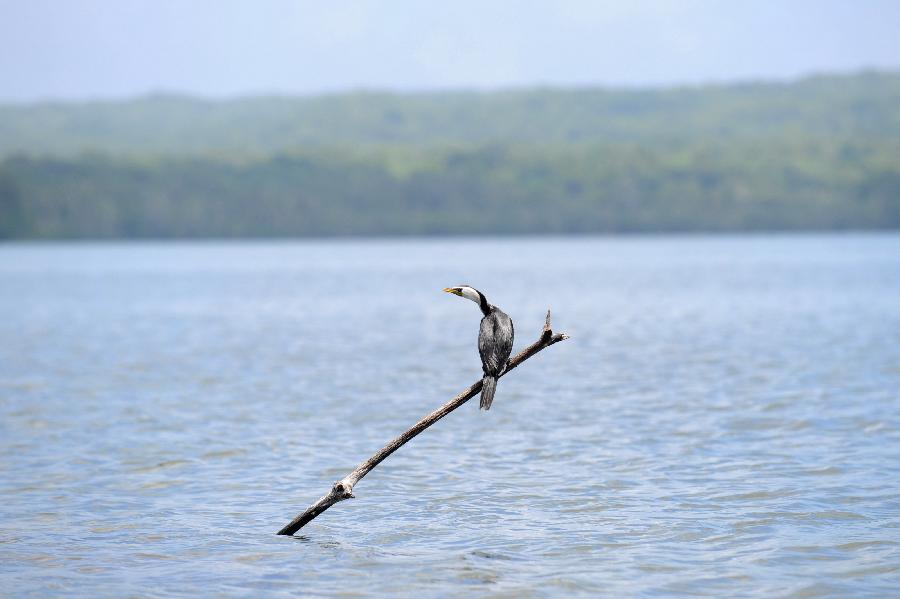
495 341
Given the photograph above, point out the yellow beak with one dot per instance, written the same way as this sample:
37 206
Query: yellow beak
451 290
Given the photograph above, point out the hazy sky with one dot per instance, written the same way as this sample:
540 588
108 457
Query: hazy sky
114 48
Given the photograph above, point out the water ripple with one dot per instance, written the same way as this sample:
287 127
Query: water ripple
724 421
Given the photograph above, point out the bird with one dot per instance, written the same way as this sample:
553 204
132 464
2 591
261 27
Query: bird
495 341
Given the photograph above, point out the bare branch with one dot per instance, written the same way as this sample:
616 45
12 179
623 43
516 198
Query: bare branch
343 489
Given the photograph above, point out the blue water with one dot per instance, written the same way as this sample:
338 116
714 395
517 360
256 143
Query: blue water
724 421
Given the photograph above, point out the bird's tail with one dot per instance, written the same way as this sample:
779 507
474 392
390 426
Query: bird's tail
488 386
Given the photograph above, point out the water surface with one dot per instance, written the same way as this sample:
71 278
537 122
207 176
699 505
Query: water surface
724 421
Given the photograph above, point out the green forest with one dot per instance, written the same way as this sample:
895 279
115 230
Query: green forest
819 153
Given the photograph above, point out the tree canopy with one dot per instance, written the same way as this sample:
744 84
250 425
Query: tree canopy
820 153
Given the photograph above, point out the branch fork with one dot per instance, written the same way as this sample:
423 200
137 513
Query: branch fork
343 489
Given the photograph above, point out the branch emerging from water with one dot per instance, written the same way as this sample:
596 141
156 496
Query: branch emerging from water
343 489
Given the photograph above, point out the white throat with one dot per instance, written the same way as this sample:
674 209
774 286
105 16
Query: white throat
469 293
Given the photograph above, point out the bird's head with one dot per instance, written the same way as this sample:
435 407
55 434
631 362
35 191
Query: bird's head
466 292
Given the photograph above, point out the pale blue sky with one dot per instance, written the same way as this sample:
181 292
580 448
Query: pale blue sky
116 48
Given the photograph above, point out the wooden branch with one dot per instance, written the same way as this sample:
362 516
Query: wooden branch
343 489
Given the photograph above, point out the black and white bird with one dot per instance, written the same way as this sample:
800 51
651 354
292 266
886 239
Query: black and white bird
495 341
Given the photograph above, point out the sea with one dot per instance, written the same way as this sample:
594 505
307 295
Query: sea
723 421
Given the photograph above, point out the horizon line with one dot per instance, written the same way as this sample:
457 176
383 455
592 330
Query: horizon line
364 90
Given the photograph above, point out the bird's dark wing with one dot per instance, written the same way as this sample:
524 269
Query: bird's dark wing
495 341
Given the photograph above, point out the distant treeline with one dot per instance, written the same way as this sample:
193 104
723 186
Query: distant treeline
821 153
